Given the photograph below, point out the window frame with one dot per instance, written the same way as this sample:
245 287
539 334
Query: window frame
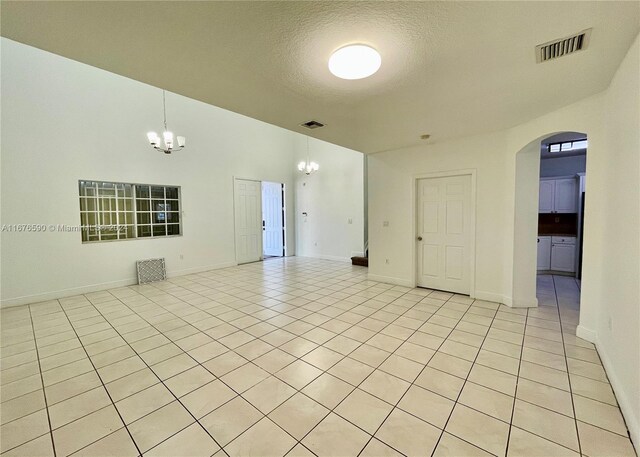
98 213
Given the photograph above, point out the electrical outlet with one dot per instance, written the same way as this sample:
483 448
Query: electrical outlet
385 223
181 257
349 221
386 261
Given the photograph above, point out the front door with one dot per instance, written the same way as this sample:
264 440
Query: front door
272 219
444 233
248 220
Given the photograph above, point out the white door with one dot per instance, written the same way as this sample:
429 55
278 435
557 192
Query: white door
546 196
272 219
248 220
444 233
566 196
544 253
563 257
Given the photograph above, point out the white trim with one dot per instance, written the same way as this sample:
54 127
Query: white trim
492 297
235 233
390 280
56 294
335 258
586 334
629 412
472 240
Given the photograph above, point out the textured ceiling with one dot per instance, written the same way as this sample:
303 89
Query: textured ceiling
448 68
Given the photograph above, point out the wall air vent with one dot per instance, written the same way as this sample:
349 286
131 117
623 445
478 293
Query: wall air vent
312 125
562 47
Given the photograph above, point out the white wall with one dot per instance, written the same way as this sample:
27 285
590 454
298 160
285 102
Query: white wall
63 121
563 166
333 200
504 263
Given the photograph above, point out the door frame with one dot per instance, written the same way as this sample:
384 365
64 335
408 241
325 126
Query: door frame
414 221
235 240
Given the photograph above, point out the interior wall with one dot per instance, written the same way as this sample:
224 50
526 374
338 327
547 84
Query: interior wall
610 304
332 198
563 166
63 121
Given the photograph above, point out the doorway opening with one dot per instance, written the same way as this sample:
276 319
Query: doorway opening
563 159
273 220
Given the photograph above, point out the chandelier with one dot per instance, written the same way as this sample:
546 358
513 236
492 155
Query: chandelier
167 136
308 167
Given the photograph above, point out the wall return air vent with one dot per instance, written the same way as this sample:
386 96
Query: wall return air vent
312 125
564 46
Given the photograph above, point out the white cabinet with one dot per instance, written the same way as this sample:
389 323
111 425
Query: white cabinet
558 196
547 192
544 253
566 196
563 253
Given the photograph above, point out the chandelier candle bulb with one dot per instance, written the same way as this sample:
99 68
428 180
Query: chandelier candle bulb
154 139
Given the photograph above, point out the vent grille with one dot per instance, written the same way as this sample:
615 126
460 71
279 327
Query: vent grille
151 270
312 125
562 47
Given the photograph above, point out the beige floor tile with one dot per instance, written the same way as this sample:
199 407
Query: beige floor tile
401 367
298 415
207 351
263 439
408 434
599 414
334 436
300 451
415 352
117 444
274 360
193 441
369 355
452 446
298 347
224 363
21 387
525 444
342 344
156 427
548 397
498 361
188 381
351 370
590 388
385 386
76 407
547 359
547 424
64 372
460 350
587 369
298 374
544 375
450 364
428 406
328 390
25 429
173 366
597 442
39 447
493 379
120 369
488 401
82 432
207 398
479 429
322 358
377 448
22 406
364 410
131 384
144 402
269 394
230 420
245 377
440 382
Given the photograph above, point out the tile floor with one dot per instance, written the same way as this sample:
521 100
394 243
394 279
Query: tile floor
300 357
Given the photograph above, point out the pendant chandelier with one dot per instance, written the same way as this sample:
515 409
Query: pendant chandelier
167 136
308 167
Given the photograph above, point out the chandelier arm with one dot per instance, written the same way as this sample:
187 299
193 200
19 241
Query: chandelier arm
164 109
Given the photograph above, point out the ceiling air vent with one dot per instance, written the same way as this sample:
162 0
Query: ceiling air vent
312 125
562 47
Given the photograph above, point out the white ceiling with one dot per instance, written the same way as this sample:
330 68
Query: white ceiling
448 68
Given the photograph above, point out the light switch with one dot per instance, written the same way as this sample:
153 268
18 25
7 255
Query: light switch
350 221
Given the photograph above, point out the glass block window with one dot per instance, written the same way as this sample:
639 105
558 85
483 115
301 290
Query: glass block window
117 211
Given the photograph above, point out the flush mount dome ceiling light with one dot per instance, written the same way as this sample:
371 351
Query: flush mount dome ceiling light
355 61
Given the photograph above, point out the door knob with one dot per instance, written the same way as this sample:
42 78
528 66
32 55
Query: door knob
419 238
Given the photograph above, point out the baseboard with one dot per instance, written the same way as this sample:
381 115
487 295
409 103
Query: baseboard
391 280
533 303
327 257
70 292
358 254
586 334
492 297
629 412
